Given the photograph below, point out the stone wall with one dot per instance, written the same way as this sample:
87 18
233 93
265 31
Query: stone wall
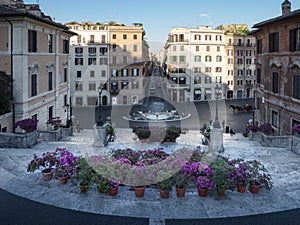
291 143
26 140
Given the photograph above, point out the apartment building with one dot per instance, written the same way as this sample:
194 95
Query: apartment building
278 70
89 60
240 57
34 51
195 61
129 64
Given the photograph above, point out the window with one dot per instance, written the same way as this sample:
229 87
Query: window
135 85
240 73
207 37
103 50
92 38
103 61
103 73
135 37
78 74
79 39
181 37
274 42
295 40
230 61
230 52
208 58
197 37
114 47
197 48
50 112
32 41
134 59
240 61
50 43
218 69
218 79
174 48
114 73
78 86
182 48
207 80
92 86
66 46
197 80
114 36
207 48
79 101
240 42
219 58
135 72
218 48
135 48
207 69
91 101
92 51
65 74
124 48
124 36
248 72
248 52
124 85
248 61
91 61
258 75
33 85
78 50
259 46
197 58
103 38
197 69
240 52
294 123
174 59
296 86
182 59
274 119
275 83
124 72
92 73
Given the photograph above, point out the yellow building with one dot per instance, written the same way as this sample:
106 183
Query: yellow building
34 51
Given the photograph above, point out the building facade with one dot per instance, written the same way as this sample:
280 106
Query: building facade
240 58
89 60
34 52
195 63
278 70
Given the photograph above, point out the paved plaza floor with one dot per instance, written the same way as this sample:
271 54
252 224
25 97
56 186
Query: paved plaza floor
283 165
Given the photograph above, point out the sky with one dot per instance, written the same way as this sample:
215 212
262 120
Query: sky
159 16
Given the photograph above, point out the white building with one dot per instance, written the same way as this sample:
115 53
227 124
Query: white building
89 59
195 61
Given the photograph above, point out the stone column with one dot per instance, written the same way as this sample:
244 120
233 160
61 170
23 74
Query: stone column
99 136
216 140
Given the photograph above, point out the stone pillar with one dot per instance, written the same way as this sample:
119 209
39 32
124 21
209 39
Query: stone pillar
99 136
216 140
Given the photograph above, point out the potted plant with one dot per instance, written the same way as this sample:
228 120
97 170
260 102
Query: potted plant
259 176
28 125
85 174
113 188
241 176
102 184
46 163
220 171
142 133
172 133
165 187
181 180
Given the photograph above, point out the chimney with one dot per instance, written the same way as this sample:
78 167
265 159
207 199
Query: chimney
286 7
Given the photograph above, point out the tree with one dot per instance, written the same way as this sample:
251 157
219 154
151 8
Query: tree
5 93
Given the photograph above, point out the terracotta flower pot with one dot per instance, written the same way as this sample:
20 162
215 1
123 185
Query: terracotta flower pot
164 194
221 192
62 180
202 192
113 191
180 192
241 188
254 188
47 175
139 191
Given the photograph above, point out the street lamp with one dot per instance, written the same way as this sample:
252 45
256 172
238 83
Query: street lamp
218 92
100 119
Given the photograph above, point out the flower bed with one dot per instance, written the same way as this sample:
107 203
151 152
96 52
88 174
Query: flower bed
153 167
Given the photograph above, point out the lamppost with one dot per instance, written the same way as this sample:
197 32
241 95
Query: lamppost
218 92
100 119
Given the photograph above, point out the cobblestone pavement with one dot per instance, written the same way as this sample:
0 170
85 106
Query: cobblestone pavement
283 165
